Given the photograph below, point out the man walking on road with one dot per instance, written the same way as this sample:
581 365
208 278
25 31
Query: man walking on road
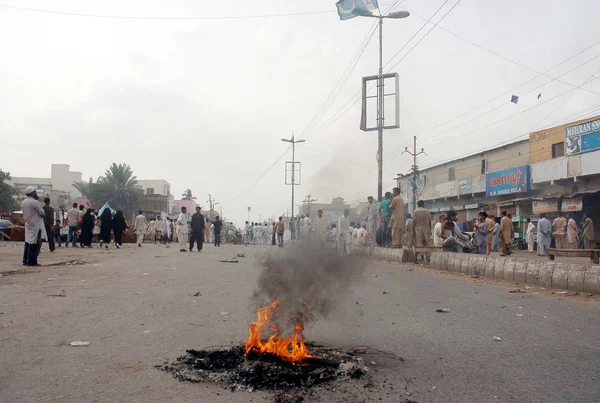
140 227
559 226
506 230
49 222
397 220
217 227
73 217
197 230
34 226
544 234
182 230
587 232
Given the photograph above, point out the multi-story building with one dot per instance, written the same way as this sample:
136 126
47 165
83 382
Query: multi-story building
555 170
565 166
462 184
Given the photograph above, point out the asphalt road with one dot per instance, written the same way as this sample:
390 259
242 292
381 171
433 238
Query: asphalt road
136 307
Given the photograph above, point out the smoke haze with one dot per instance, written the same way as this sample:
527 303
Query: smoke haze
309 279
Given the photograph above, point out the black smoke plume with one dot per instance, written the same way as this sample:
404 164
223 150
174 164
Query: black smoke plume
308 278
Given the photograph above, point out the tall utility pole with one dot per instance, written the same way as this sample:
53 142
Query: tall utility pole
308 201
381 95
415 169
210 204
293 166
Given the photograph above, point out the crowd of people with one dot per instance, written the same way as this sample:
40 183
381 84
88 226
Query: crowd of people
384 224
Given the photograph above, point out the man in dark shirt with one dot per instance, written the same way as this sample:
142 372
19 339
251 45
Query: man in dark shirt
197 234
49 222
217 226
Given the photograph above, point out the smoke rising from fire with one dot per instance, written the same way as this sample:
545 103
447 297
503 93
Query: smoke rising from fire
309 279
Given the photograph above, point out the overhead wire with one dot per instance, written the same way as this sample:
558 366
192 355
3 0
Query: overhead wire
357 96
508 102
503 94
346 73
126 17
509 117
591 111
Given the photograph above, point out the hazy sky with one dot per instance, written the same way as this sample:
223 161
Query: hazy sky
204 103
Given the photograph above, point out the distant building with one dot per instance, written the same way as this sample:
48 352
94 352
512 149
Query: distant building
59 187
158 198
331 211
190 205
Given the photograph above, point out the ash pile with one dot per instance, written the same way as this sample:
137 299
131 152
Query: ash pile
235 369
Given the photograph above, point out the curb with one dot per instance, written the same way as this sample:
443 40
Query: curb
549 274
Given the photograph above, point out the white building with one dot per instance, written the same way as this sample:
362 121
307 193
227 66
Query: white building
154 189
59 186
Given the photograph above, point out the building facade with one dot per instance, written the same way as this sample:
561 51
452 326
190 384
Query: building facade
59 186
554 170
158 198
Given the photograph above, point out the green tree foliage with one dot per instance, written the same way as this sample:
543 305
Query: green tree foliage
187 195
7 201
118 186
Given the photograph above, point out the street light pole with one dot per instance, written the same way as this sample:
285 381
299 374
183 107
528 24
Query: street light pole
293 141
380 97
380 116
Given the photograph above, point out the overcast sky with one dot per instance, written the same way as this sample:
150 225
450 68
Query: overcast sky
204 103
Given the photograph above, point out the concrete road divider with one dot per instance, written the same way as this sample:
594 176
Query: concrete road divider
544 273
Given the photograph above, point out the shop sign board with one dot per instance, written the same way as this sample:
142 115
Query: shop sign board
545 206
583 138
572 204
471 206
507 181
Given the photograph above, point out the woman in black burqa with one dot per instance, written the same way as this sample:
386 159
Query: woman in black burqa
87 228
118 226
105 227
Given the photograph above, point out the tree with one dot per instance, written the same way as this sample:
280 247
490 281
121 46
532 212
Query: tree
187 195
7 201
118 186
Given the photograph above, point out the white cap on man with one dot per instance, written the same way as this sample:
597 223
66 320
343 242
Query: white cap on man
29 189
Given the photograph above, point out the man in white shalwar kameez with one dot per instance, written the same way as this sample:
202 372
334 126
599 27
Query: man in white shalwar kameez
140 227
343 233
320 227
182 230
34 226
372 218
544 234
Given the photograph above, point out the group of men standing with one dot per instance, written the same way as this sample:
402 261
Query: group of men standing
195 232
567 234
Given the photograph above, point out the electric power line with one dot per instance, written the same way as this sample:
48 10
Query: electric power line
125 17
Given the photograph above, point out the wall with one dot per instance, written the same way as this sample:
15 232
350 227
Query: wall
552 169
439 185
540 143
160 186
63 178
44 185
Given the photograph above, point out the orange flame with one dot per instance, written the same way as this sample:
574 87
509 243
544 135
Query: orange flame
291 349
